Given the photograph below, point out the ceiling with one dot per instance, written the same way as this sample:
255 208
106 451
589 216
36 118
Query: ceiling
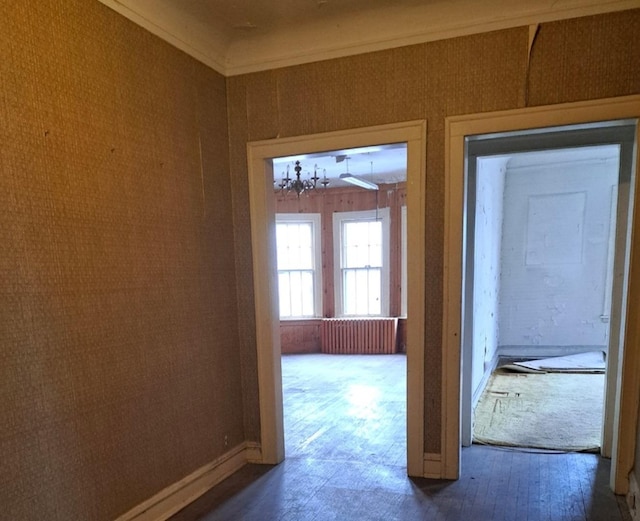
241 36
380 164
387 164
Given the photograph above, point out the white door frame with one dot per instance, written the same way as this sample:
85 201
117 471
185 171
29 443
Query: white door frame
615 132
456 129
261 200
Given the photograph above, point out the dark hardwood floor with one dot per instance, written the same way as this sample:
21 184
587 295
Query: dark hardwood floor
345 460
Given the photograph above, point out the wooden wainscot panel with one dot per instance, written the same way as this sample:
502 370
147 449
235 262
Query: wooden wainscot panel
401 336
300 336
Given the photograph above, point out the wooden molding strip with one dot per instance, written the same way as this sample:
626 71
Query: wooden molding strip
633 496
432 466
178 495
253 452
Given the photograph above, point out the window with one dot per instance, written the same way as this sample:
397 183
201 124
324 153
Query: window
362 262
403 261
299 266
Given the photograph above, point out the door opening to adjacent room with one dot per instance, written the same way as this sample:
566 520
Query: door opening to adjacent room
265 176
340 219
546 254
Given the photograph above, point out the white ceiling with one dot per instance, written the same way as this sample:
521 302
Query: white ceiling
239 36
381 164
387 164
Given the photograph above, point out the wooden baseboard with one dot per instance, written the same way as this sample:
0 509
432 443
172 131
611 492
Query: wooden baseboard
633 496
432 467
253 452
178 495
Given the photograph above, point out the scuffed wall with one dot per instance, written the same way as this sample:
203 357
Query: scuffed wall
571 60
119 362
490 180
555 256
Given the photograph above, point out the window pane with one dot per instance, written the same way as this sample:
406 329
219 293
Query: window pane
362 260
362 244
294 246
348 246
296 256
284 294
349 292
305 260
296 292
362 291
282 245
375 243
374 285
307 293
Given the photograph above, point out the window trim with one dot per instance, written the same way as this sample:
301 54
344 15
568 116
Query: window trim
316 240
362 215
403 262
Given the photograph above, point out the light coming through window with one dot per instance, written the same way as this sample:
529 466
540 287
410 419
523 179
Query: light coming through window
297 274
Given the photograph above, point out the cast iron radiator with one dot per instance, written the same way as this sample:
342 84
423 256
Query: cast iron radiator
359 335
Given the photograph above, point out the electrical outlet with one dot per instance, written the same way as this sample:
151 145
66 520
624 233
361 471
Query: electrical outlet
226 441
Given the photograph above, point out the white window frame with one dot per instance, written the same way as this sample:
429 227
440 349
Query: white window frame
315 221
381 214
403 261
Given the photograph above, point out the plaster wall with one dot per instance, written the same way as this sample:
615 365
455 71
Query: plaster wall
490 181
555 255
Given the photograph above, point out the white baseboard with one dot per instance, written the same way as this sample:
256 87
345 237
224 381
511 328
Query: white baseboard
534 352
432 466
633 496
488 371
178 495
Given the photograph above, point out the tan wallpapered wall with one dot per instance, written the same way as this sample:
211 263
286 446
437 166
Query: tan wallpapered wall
119 361
586 58
118 298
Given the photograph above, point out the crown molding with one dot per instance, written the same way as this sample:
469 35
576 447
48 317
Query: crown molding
421 25
175 28
232 53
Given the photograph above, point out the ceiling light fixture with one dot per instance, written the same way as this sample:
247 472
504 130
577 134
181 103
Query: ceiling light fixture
297 185
357 181
362 183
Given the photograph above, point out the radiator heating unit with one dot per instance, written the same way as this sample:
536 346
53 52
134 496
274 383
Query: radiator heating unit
359 335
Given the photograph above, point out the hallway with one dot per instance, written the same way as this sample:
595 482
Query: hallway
340 470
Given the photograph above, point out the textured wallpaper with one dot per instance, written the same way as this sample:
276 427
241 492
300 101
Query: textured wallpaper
127 349
585 58
119 361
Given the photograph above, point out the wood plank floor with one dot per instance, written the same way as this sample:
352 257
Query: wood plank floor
345 446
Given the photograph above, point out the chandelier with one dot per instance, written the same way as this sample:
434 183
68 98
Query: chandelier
297 185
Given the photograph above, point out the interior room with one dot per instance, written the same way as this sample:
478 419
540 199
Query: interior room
323 213
341 257
139 335
543 271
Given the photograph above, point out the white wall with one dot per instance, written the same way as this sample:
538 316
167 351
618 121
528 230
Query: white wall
490 181
556 250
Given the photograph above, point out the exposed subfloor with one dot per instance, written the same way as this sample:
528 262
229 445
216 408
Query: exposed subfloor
345 439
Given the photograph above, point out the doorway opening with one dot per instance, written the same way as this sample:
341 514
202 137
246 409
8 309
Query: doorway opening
622 380
542 209
341 261
263 213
